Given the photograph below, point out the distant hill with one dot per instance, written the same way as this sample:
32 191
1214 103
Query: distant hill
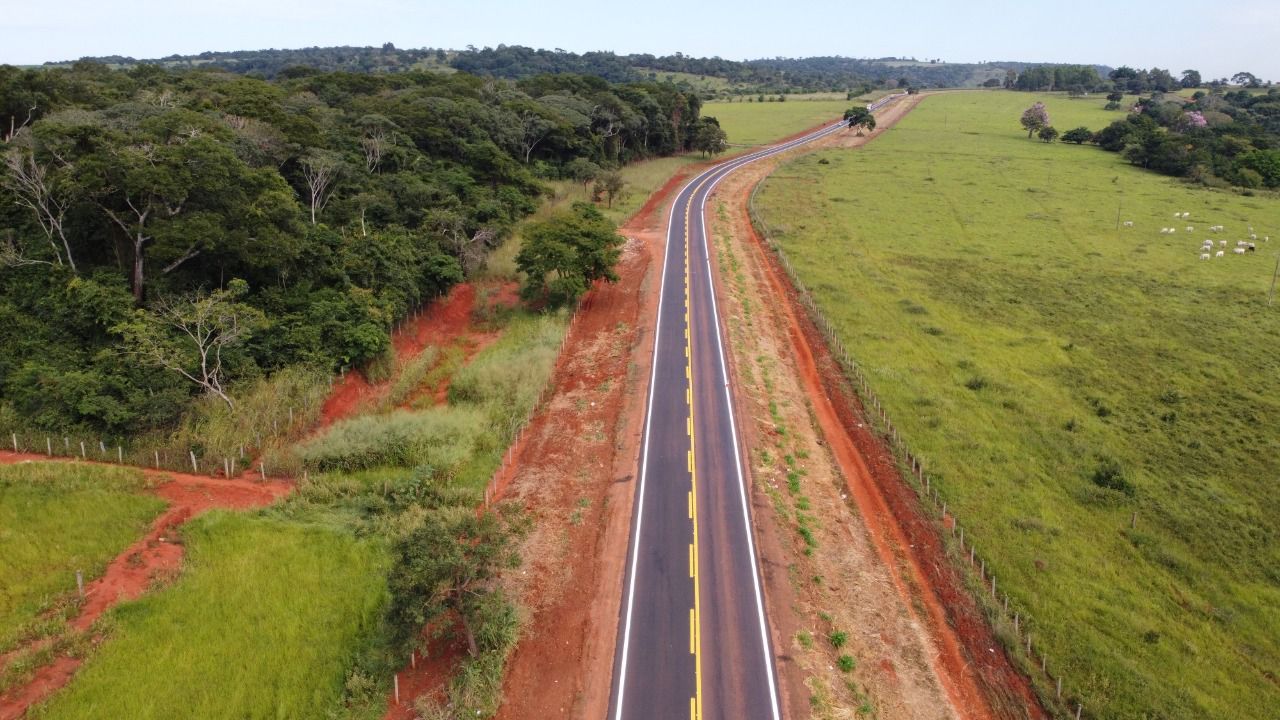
710 77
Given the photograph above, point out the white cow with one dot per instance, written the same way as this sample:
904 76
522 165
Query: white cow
1240 251
1204 256
1220 253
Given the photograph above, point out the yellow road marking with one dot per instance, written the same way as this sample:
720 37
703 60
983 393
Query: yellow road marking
693 563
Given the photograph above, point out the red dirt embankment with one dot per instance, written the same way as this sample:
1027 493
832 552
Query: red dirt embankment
977 675
152 559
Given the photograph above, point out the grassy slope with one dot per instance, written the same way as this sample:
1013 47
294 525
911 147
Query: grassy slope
953 252
56 518
263 624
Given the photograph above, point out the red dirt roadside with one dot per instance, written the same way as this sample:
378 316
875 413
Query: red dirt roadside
156 557
975 673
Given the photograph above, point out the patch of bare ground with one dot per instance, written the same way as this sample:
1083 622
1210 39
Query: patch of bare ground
843 547
574 471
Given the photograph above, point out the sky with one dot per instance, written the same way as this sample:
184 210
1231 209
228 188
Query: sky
1218 39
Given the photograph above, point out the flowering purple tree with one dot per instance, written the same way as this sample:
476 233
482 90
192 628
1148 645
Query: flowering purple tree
1194 120
1034 118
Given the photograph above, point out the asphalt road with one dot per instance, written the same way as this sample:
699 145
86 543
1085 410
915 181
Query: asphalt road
692 637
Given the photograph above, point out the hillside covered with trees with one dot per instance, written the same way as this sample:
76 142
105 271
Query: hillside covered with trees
514 62
166 234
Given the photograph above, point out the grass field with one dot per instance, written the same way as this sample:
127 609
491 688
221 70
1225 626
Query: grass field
263 624
760 123
1059 374
55 519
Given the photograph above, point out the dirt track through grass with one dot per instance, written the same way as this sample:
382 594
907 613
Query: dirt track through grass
262 624
54 521
1059 375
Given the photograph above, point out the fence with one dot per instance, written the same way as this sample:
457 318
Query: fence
493 489
285 422
1003 615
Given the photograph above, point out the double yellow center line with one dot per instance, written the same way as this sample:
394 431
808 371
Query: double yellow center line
695 613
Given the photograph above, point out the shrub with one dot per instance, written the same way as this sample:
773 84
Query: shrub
1078 135
440 437
846 663
838 638
1111 475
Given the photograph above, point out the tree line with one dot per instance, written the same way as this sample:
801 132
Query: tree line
147 215
515 62
1218 138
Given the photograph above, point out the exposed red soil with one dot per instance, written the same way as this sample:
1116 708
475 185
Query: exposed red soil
445 322
981 683
153 559
428 673
574 470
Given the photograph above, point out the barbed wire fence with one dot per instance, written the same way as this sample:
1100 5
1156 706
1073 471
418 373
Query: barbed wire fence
1011 623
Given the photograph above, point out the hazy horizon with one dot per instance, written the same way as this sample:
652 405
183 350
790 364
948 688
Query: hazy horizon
1176 35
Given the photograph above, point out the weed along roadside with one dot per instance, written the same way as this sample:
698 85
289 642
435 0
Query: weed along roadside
1099 370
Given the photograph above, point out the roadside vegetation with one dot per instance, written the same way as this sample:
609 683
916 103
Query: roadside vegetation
1090 397
55 520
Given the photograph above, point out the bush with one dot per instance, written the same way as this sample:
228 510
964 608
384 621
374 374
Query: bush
1079 136
1112 476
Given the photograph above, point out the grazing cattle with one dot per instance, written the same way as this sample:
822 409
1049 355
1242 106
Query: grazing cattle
1191 228
1239 251
1222 243
1128 223
1204 256
1220 253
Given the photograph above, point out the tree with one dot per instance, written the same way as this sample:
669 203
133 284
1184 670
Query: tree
582 170
1191 79
46 190
1034 118
1115 97
563 255
319 170
708 137
188 335
1010 79
1048 133
1078 136
610 184
451 562
860 118
1246 79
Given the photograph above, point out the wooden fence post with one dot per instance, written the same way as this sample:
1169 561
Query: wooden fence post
194 467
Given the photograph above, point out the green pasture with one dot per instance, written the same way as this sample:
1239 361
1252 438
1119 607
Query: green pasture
264 623
755 123
1062 374
57 518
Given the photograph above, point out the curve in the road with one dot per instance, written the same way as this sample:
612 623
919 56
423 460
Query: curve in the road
693 636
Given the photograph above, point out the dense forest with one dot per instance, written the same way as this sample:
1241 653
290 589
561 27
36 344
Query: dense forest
164 233
513 62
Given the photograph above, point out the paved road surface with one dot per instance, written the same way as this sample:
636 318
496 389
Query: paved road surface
692 637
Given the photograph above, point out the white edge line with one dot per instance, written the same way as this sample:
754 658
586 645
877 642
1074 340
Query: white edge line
653 374
733 429
644 467
727 168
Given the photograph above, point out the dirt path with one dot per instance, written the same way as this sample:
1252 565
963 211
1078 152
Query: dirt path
931 653
153 559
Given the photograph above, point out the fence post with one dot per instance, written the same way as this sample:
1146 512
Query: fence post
120 454
82 453
397 685
48 445
194 467
15 442
80 583
262 468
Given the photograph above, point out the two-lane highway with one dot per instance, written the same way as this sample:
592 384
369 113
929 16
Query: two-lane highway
692 638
